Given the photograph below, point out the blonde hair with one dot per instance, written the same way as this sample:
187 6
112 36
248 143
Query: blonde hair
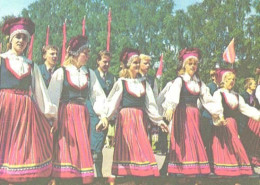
225 75
124 73
248 82
212 72
70 60
145 57
181 71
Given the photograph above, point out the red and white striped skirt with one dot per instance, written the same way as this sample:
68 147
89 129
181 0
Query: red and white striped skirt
189 155
229 155
25 141
72 154
133 154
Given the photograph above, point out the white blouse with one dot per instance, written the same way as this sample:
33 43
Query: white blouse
172 96
233 101
136 87
257 93
79 79
20 66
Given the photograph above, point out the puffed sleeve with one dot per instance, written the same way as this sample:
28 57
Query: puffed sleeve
40 94
257 93
247 110
97 96
155 89
151 106
172 96
55 87
209 103
114 98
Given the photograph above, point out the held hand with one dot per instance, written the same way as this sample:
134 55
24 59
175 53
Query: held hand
54 126
168 114
102 125
164 127
223 121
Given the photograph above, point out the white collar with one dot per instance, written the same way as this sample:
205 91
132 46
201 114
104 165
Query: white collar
186 77
133 79
11 55
82 69
227 91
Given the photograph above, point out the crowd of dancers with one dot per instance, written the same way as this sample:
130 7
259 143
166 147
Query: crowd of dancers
54 120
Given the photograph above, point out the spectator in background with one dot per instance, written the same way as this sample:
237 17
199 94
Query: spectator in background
50 57
106 81
251 132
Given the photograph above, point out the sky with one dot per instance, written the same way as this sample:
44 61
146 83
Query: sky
9 7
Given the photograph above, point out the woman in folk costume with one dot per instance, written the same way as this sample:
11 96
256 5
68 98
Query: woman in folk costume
69 88
251 133
25 141
133 155
229 155
187 153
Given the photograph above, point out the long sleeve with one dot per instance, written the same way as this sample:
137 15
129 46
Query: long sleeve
161 97
247 110
257 93
155 89
55 87
97 96
151 106
208 102
114 98
41 95
172 96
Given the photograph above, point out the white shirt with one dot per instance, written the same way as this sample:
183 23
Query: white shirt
136 87
172 96
233 101
78 78
257 93
20 65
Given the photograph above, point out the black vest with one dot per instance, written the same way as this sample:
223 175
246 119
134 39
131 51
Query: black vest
72 93
130 100
8 80
229 112
186 97
106 84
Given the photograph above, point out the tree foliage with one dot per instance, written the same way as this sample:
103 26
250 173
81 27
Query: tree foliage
154 27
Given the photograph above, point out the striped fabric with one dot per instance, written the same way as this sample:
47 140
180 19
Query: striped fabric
72 156
189 156
229 54
251 141
133 154
229 155
25 141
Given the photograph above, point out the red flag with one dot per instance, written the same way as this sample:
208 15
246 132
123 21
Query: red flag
63 44
160 69
83 26
229 54
0 47
47 35
30 50
109 19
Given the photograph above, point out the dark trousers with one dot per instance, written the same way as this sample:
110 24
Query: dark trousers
98 160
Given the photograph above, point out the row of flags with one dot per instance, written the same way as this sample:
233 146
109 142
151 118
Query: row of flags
228 55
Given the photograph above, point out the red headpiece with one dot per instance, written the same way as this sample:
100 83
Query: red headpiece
13 26
188 53
221 73
77 44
